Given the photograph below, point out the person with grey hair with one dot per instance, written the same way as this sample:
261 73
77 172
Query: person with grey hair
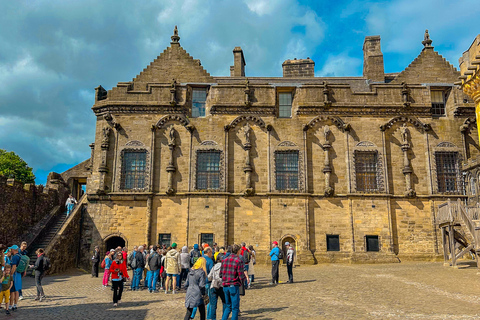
95 262
138 263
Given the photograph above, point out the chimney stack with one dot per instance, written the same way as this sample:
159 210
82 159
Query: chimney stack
238 68
302 68
373 59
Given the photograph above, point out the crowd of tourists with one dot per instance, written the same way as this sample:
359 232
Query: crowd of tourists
15 263
206 274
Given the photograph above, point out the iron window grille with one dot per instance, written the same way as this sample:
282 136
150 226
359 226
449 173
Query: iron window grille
333 242
164 239
438 103
371 243
285 105
134 169
286 170
473 186
207 238
199 96
366 170
447 171
208 170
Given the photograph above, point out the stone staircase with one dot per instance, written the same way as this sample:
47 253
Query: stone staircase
460 228
47 237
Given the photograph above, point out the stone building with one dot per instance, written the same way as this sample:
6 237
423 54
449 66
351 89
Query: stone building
346 168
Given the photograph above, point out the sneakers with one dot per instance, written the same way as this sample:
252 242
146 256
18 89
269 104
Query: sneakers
7 312
14 308
36 298
166 291
20 298
115 304
42 298
174 292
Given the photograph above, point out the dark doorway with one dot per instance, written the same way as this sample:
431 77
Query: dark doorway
114 242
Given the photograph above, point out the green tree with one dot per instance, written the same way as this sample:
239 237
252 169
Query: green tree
12 166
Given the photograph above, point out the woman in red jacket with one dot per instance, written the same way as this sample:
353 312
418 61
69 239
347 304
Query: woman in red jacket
118 270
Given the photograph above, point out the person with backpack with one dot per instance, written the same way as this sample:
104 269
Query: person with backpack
41 265
16 276
245 256
130 256
195 286
275 256
216 288
138 263
107 261
194 254
23 251
154 262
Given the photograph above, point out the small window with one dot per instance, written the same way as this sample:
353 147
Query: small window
133 169
333 242
473 186
207 238
446 171
199 96
438 103
372 243
366 170
285 105
208 170
286 170
164 239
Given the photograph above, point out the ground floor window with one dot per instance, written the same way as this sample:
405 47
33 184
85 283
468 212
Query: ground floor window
333 242
164 239
207 238
372 243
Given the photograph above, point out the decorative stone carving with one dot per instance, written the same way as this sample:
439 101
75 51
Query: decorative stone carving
326 95
173 91
175 37
171 169
247 91
111 120
173 117
327 169
423 127
446 145
135 143
407 168
342 126
257 120
365 144
405 95
248 166
287 144
209 143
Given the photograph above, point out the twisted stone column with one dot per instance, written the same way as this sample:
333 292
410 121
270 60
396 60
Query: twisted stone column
248 166
103 168
171 169
327 169
407 168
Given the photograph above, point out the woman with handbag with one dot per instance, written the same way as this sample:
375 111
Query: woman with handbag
195 285
119 273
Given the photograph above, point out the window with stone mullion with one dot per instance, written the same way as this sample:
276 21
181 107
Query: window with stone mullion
438 103
134 165
208 170
366 170
286 170
447 171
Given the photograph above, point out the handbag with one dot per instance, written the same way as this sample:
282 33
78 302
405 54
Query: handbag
241 289
206 299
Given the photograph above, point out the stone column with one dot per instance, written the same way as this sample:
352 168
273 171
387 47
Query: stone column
171 169
327 169
407 169
103 168
248 166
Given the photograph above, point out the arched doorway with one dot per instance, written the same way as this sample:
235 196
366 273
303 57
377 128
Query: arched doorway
292 242
114 242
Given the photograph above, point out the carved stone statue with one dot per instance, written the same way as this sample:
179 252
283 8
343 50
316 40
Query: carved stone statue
326 133
171 137
404 133
106 134
246 132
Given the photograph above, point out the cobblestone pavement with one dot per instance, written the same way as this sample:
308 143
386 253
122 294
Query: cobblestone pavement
331 291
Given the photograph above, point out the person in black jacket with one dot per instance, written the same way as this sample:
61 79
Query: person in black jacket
39 273
154 262
95 262
138 270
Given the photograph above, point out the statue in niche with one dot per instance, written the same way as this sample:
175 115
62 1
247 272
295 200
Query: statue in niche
246 132
171 137
326 133
404 133
106 134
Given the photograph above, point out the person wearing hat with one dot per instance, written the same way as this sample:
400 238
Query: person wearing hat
275 257
290 255
17 277
172 265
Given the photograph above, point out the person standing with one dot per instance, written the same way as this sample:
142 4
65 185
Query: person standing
208 255
233 275
40 268
95 262
70 204
7 284
23 252
172 266
251 268
154 262
195 286
118 271
275 257
108 262
138 263
185 264
290 257
16 277
216 288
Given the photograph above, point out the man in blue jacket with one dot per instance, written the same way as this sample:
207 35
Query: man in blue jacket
275 257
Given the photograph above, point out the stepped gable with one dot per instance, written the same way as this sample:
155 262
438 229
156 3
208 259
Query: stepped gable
428 67
173 63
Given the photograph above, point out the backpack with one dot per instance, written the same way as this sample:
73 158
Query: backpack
130 258
103 265
246 256
133 263
194 256
23 264
46 264
280 253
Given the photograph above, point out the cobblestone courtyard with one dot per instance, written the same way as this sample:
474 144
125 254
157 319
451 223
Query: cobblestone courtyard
331 291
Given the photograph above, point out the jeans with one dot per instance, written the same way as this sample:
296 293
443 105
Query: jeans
137 276
106 276
214 294
232 302
117 290
290 272
183 275
179 281
201 307
207 290
38 281
275 264
152 280
70 208
95 269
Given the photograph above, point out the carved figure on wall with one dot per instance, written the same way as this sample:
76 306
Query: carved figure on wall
106 135
246 132
326 133
404 133
171 137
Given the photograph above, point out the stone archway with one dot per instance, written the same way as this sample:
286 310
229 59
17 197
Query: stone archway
114 241
293 243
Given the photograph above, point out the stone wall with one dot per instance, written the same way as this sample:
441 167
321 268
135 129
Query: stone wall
23 205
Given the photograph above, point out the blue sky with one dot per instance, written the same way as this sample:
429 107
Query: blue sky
54 53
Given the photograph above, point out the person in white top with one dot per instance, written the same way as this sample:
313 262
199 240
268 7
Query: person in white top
70 204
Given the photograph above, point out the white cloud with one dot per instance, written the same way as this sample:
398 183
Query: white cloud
340 65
